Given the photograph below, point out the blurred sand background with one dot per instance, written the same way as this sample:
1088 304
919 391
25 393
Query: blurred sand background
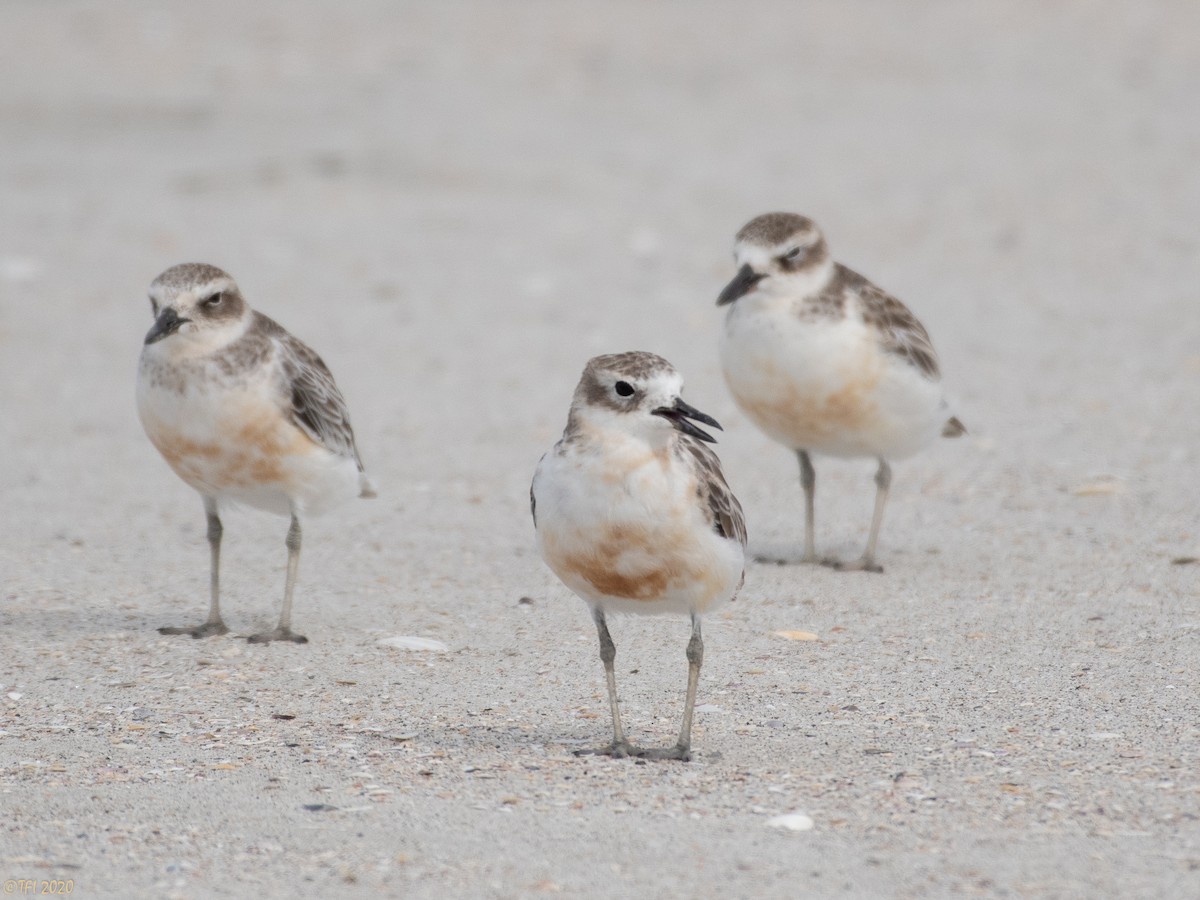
457 204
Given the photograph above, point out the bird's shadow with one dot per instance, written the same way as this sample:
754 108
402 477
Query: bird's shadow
776 554
470 740
58 618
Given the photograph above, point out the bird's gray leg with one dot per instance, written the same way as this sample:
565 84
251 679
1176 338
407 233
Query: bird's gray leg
808 481
283 631
883 483
213 625
215 532
695 657
608 653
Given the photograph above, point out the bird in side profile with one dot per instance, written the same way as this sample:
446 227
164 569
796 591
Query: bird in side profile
823 361
633 514
244 413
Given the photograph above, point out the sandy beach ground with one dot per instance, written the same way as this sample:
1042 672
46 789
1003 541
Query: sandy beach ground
457 204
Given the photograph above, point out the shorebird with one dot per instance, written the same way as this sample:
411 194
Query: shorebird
823 361
244 413
633 514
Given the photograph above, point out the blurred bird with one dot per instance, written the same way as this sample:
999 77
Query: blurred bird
823 361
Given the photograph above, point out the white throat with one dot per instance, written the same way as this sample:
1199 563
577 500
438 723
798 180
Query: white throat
192 342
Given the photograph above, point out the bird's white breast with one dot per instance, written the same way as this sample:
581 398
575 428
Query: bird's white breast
229 437
620 523
825 383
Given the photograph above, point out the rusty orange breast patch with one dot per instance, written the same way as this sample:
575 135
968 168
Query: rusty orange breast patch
808 414
244 451
633 562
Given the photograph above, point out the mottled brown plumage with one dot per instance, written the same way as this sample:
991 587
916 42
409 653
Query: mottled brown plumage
724 510
774 228
900 331
317 406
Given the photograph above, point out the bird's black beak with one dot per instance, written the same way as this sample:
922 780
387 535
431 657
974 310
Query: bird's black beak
680 413
743 282
167 323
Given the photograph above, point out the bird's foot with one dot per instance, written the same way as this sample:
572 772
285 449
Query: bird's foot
207 629
808 559
626 750
617 750
862 564
278 634
679 752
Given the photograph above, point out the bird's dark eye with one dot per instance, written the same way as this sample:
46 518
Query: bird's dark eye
214 301
792 255
623 388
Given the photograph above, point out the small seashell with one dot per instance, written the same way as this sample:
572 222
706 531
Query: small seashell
1104 486
795 821
407 642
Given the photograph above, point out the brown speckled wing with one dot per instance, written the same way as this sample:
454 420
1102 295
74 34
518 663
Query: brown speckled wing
724 510
318 407
900 331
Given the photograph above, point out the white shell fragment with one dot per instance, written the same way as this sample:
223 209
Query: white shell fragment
408 642
795 821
